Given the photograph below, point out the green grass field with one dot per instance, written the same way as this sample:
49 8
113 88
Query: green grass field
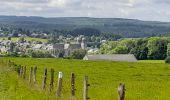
152 61
143 80
28 39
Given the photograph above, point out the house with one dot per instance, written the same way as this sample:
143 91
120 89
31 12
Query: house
114 57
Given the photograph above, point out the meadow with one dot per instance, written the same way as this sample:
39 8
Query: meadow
152 61
144 80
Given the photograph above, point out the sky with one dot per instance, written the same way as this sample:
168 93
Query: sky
149 10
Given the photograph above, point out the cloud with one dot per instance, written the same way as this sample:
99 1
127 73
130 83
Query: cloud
136 9
57 3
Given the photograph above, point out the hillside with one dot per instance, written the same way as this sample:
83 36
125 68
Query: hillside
124 27
146 81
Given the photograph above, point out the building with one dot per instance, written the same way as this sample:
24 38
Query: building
67 48
114 57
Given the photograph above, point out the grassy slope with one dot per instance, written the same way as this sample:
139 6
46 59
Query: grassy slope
13 88
143 81
28 38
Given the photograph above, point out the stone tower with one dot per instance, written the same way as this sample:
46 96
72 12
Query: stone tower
83 43
78 40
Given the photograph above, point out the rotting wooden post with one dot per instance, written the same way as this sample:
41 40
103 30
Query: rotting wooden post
44 79
24 72
30 76
21 71
59 87
34 74
52 79
86 85
121 91
72 86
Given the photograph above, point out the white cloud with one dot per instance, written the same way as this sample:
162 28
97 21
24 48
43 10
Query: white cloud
138 9
56 3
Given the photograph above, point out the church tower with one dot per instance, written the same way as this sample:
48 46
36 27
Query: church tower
83 43
78 40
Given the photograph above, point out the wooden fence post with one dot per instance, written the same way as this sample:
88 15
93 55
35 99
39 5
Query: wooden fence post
21 71
72 86
44 79
86 85
34 75
52 79
9 63
121 91
24 72
59 88
30 76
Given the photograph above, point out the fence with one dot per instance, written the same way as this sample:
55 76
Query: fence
21 70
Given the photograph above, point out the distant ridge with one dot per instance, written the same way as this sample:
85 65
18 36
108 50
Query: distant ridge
124 27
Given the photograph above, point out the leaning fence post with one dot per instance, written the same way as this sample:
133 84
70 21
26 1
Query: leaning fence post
44 79
34 76
21 71
121 91
59 87
30 76
24 72
86 85
52 79
72 86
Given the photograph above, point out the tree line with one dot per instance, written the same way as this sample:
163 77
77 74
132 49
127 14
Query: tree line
143 48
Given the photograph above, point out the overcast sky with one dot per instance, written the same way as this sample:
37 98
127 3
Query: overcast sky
158 10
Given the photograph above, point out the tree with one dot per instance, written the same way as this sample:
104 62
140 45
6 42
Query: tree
9 38
128 43
140 49
168 49
40 54
167 60
107 48
78 54
121 50
110 36
157 48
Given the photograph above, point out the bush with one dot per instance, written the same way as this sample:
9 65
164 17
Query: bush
167 60
40 54
78 54
24 56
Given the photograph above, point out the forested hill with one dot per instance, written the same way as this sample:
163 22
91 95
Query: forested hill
124 27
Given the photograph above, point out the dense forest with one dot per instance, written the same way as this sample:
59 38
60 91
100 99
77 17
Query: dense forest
142 48
85 26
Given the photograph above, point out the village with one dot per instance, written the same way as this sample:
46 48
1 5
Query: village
24 48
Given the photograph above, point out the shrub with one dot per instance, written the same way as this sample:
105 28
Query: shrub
24 56
167 60
40 54
78 54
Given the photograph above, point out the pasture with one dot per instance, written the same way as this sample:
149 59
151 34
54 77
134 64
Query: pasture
143 80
